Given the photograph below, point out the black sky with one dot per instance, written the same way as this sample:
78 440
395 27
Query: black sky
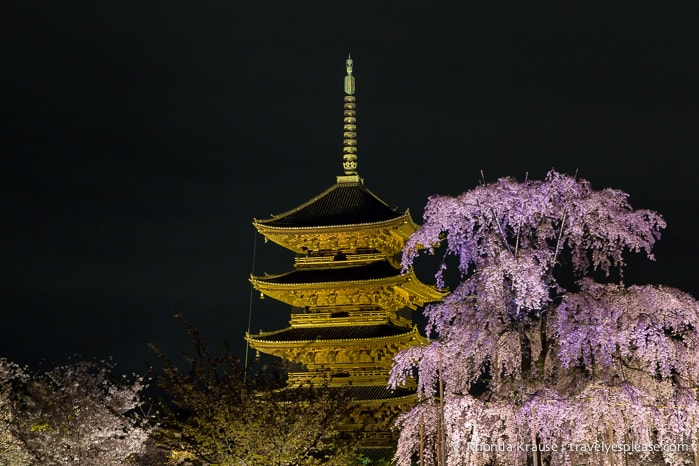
140 138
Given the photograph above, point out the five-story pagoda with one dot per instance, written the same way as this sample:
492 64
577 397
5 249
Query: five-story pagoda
351 306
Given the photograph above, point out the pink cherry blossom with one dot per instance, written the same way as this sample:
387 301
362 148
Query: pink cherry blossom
531 358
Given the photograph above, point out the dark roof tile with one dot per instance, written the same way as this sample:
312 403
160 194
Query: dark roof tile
337 332
341 204
376 392
359 392
372 271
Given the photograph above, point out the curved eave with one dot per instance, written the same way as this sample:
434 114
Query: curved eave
414 290
398 279
426 293
349 199
265 283
405 399
400 219
407 337
403 226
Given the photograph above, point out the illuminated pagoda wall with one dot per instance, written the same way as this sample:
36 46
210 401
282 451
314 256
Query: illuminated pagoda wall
350 305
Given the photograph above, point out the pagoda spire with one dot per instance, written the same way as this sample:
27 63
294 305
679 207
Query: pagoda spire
349 135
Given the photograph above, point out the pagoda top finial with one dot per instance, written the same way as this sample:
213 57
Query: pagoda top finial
349 135
349 79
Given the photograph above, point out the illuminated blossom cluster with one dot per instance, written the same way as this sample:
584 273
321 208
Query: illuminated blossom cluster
73 414
530 357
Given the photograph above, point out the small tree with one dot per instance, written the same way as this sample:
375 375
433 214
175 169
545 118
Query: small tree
219 414
531 359
73 414
12 450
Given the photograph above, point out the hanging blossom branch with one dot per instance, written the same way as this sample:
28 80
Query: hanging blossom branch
558 241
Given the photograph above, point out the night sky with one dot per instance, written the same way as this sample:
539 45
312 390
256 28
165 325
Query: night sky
140 138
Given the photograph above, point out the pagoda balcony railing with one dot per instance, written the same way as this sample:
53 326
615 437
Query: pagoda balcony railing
373 436
304 261
353 317
376 437
354 377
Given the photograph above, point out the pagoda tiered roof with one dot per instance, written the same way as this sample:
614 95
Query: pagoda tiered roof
304 335
345 217
375 283
344 203
376 270
312 346
378 392
366 392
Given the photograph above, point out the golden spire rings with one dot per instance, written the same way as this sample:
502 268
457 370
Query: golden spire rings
349 146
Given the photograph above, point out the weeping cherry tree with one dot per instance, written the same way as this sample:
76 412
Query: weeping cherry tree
545 355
